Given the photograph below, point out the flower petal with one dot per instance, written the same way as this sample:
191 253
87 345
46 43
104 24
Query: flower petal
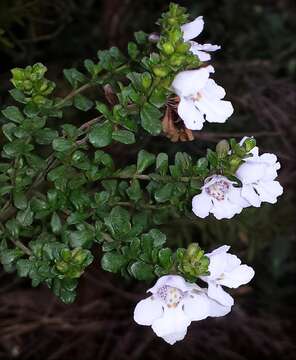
237 277
202 205
191 116
215 110
250 172
217 293
196 306
176 281
232 262
250 195
225 209
192 29
269 191
213 91
235 197
173 338
216 309
188 83
147 311
173 322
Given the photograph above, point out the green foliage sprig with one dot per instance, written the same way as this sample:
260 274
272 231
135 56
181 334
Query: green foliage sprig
62 193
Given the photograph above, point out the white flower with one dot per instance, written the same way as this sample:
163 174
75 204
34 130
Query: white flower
257 175
173 305
219 197
225 270
200 98
192 30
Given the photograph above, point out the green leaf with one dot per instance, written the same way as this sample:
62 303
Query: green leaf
55 223
134 192
162 162
25 217
164 193
150 119
113 262
74 77
23 267
145 159
165 257
13 113
18 95
82 103
158 97
124 136
142 271
20 200
119 220
62 145
159 238
45 136
8 256
101 135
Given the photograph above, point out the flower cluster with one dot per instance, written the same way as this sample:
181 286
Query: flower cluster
223 199
200 96
175 303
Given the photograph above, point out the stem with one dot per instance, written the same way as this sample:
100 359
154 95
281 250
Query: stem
21 246
149 177
74 93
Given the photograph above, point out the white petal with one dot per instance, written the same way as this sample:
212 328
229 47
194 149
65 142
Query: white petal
215 110
269 191
225 209
196 306
239 276
147 311
235 197
191 116
232 262
201 205
176 281
193 29
220 250
173 322
268 158
173 338
250 172
209 47
188 83
217 265
217 310
250 195
213 91
217 293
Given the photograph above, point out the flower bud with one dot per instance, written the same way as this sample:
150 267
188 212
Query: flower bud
249 144
160 71
168 48
177 60
154 37
222 148
146 80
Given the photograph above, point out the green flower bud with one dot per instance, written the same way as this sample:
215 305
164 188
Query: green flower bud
146 80
249 144
168 48
222 148
160 71
18 74
177 60
62 266
234 162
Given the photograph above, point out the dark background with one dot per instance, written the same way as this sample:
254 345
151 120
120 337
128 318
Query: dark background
257 66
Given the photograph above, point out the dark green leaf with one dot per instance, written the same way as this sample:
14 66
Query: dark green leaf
101 135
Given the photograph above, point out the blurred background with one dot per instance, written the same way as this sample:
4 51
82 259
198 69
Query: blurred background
257 67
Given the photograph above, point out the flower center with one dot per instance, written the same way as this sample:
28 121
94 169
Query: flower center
197 96
170 295
218 189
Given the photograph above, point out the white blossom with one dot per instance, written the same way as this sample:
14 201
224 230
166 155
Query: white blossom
257 175
192 30
225 270
174 303
200 98
218 197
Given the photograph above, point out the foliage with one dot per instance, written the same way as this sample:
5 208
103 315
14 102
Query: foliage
56 209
